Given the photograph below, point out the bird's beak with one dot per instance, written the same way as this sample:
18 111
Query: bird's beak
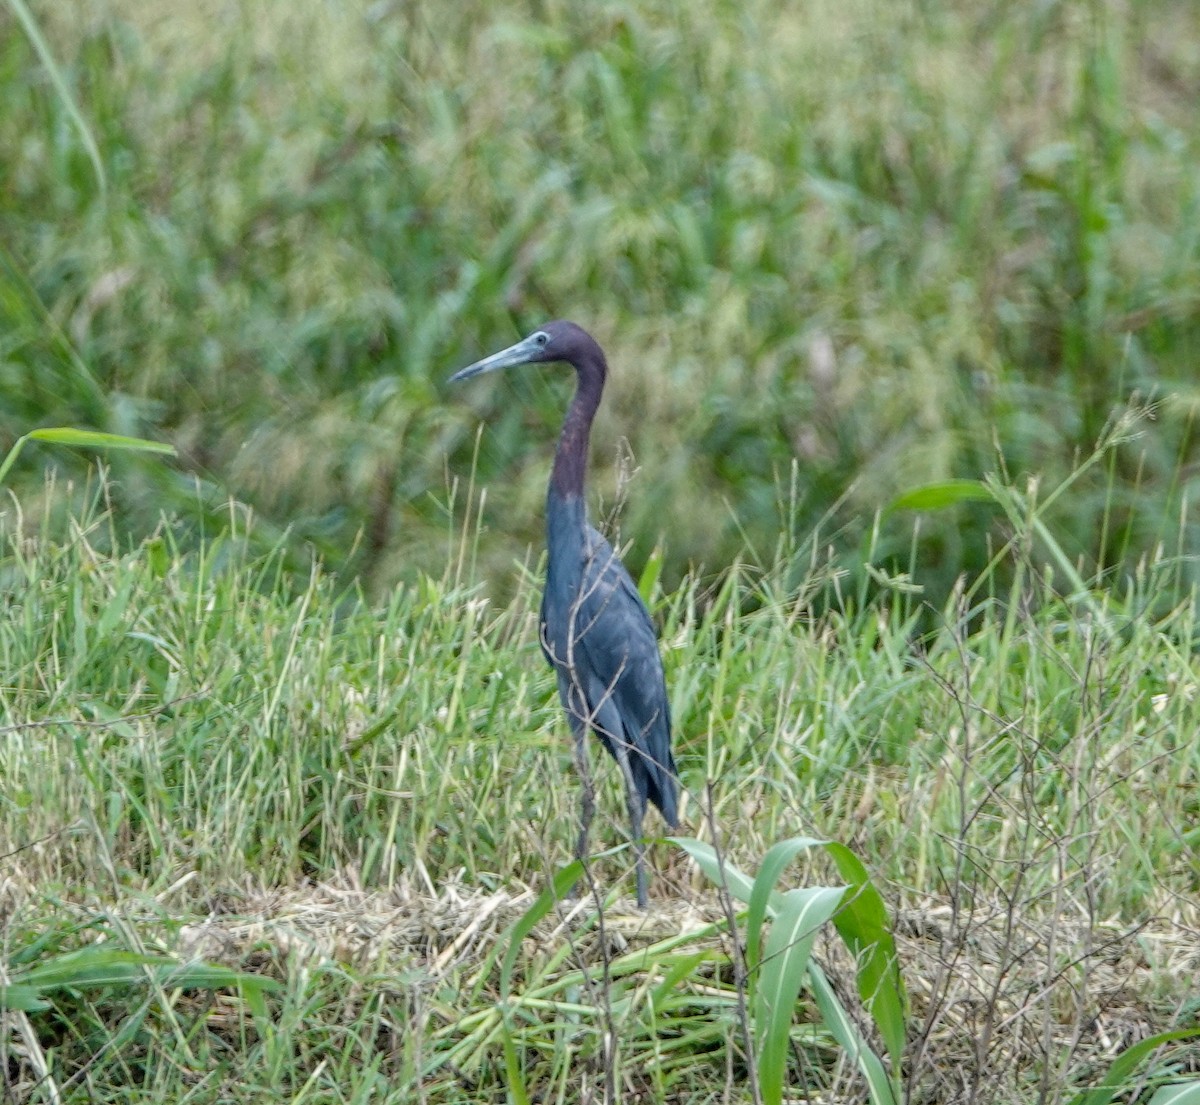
523 352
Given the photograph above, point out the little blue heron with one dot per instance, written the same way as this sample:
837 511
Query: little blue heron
595 630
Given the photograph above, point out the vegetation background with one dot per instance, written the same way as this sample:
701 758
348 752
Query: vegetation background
279 703
888 243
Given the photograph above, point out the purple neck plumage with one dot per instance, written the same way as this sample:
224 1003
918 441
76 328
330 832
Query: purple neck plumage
570 459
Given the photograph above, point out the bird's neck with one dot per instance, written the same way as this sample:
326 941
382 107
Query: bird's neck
570 459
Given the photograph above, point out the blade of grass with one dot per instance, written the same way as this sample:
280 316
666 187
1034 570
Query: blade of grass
85 439
25 17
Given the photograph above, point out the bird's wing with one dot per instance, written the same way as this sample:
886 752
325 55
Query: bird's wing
619 662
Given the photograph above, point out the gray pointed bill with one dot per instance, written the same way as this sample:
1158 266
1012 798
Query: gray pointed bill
524 352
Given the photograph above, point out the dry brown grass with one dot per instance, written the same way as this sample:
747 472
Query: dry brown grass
1005 1006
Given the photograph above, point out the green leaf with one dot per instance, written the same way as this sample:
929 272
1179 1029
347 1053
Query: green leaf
649 577
560 886
862 923
94 965
1179 1093
87 439
211 976
103 965
683 967
938 496
785 960
23 998
720 872
34 32
94 439
1118 1075
518 1092
879 1087
763 894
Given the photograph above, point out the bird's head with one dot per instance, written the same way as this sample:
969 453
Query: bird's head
556 341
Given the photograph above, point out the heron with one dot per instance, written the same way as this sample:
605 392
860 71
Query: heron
595 630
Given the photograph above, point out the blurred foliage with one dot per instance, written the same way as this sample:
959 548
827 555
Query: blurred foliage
834 251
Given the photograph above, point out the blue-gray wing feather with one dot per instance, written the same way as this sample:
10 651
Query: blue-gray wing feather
619 669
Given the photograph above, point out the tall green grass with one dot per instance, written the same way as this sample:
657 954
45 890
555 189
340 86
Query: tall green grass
841 256
209 708
895 242
187 731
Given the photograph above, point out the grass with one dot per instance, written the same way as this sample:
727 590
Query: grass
896 242
281 708
206 755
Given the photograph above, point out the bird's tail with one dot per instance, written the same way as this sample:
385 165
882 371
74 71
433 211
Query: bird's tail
662 788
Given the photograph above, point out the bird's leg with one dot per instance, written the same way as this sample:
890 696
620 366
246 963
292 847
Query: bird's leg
637 810
587 801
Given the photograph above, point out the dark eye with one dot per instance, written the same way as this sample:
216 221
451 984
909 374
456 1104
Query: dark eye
541 338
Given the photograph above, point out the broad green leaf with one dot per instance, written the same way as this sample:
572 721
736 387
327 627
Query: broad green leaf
720 872
862 923
864 929
881 1089
774 863
1180 1093
785 959
938 496
211 976
1117 1077
94 965
17 996
99 965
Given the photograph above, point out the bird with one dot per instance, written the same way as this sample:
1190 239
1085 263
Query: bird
595 630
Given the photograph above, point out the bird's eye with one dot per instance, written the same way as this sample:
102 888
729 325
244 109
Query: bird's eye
541 338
